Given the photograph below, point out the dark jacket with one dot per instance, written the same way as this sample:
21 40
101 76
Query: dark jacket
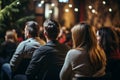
7 48
47 62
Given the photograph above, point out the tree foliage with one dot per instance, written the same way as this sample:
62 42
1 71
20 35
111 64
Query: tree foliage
8 10
13 14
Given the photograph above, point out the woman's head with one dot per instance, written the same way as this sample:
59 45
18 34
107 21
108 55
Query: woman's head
107 39
83 36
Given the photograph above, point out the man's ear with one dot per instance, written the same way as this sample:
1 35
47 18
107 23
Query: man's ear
28 33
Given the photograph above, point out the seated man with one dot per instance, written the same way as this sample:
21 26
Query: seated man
47 60
25 49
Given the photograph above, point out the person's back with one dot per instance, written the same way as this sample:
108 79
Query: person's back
108 40
8 47
54 58
47 61
86 61
81 65
24 50
21 59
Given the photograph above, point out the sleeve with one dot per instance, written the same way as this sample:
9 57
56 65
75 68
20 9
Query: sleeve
65 73
17 56
36 64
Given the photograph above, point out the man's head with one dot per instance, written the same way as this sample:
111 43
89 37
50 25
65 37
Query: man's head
51 29
31 29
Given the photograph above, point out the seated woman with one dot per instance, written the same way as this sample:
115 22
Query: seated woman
8 47
86 61
109 41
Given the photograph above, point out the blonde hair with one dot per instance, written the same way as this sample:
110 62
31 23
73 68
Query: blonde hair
42 42
84 38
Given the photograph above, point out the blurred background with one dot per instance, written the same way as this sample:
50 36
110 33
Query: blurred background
14 13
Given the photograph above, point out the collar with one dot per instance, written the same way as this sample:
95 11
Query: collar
52 43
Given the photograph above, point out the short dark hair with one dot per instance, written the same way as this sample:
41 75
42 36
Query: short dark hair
52 28
33 28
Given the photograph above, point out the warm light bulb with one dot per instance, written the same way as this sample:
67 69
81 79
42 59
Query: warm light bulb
18 2
66 10
76 9
39 5
42 2
90 7
52 4
104 2
110 9
93 11
70 5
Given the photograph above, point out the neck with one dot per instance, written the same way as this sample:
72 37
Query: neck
48 40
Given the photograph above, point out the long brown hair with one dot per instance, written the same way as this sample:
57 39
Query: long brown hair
84 38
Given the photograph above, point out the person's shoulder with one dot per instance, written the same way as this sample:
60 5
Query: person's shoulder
65 47
73 52
43 48
23 43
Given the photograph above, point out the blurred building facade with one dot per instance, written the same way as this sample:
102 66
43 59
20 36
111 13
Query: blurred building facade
69 12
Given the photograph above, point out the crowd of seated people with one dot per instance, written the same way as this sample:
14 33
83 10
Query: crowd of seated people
23 53
79 54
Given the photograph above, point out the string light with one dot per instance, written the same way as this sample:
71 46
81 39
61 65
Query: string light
52 4
42 2
39 5
18 2
104 2
70 5
66 10
90 7
76 9
93 11
110 9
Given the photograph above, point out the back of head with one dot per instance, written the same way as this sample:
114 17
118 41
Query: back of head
51 27
11 36
108 41
33 28
83 36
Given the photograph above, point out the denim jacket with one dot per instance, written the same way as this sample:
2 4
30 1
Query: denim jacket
23 54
